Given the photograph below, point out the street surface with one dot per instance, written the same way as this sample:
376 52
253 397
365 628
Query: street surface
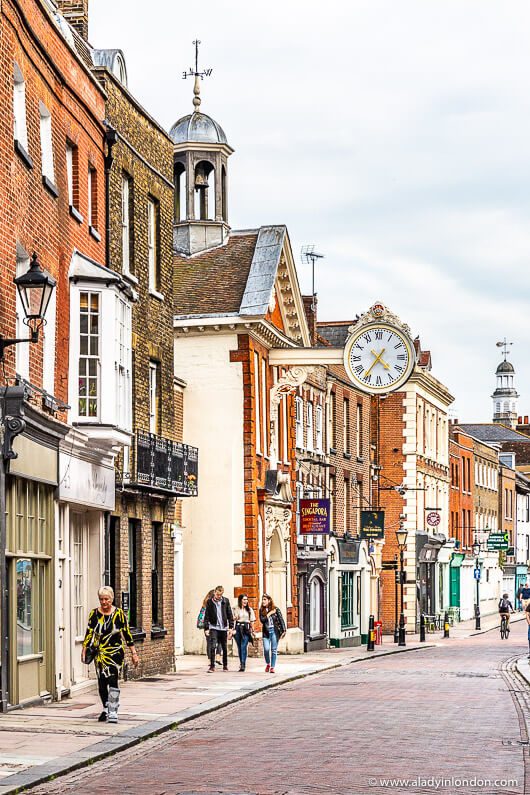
447 719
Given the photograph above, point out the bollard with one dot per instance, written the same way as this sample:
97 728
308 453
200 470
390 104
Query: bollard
446 624
422 628
370 646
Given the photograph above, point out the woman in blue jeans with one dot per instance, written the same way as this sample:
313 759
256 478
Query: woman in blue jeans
244 618
273 627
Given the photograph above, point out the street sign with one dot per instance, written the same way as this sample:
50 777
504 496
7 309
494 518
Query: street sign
497 541
433 519
476 572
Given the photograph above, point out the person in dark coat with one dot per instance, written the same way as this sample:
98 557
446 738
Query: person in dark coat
273 628
218 625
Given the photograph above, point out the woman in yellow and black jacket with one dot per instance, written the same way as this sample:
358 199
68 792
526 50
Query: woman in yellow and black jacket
107 627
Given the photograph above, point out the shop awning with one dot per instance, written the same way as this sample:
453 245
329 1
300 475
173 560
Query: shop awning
430 550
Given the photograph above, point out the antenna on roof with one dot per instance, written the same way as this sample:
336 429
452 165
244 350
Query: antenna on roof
309 254
504 345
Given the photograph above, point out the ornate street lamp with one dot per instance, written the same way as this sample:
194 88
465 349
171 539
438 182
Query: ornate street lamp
401 536
476 553
35 288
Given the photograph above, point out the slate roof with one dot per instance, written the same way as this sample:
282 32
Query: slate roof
214 281
493 432
262 274
335 334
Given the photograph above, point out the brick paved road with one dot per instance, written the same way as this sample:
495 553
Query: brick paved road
437 713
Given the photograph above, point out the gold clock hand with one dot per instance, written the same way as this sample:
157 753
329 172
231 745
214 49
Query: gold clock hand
377 359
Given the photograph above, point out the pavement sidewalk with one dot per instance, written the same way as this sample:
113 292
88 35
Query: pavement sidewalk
40 742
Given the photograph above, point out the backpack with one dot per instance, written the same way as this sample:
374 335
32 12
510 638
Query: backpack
504 605
200 618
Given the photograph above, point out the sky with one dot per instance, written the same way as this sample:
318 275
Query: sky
394 136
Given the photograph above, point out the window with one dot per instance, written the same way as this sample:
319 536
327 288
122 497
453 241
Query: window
299 422
332 416
22 331
20 131
46 145
346 425
48 346
299 496
152 244
89 353
347 600
92 198
264 393
132 578
310 427
123 364
126 223
78 569
72 177
179 177
359 430
347 503
332 502
25 607
315 607
154 397
318 429
285 431
156 571
258 403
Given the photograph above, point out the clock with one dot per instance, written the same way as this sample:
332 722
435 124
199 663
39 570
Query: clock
379 357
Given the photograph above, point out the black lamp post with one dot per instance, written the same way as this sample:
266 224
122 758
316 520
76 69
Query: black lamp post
401 536
35 289
476 552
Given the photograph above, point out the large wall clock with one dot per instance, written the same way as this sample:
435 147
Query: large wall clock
379 355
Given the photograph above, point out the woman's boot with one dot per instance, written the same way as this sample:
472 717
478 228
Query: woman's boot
113 704
104 715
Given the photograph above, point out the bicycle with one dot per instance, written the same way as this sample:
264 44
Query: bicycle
505 629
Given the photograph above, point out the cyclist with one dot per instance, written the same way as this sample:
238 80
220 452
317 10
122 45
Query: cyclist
505 608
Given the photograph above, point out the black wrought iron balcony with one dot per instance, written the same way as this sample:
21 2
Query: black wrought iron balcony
159 464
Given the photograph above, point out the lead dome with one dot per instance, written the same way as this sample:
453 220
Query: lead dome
197 128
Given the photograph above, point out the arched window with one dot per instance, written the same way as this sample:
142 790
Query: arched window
179 179
224 210
204 191
315 606
506 407
498 407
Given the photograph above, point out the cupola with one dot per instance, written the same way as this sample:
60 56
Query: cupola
505 396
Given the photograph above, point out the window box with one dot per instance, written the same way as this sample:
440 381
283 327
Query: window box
95 234
158 632
19 149
74 212
48 184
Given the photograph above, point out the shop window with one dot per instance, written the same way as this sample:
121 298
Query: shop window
156 573
89 358
25 608
347 614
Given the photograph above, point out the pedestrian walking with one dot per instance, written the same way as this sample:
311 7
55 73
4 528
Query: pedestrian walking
244 620
200 625
525 595
103 643
273 627
218 625
527 612
518 595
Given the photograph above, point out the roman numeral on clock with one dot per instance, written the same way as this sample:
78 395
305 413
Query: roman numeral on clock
378 381
356 358
398 368
379 335
359 369
401 356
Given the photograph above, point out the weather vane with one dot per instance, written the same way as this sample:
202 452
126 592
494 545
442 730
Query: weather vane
196 74
504 345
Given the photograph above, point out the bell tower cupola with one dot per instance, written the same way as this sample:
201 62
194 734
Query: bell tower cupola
505 396
201 154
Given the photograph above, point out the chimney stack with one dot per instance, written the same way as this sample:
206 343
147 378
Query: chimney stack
76 13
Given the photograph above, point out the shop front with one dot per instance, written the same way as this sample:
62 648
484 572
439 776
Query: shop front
86 494
30 509
313 598
430 586
349 591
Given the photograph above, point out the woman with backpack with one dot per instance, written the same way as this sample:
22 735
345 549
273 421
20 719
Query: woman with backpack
244 618
273 627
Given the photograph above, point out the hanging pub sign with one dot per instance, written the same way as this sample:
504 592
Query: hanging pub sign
372 524
314 516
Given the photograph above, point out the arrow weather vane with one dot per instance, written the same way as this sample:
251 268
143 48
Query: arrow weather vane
504 345
196 74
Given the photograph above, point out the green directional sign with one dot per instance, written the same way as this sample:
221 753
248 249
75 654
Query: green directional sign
497 541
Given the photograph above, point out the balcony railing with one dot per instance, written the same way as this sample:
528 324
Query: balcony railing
162 465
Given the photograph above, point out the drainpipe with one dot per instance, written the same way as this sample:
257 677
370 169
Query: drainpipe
111 138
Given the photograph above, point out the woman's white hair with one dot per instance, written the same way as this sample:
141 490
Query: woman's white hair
106 589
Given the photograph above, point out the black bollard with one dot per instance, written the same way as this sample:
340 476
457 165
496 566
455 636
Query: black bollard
422 628
371 634
446 624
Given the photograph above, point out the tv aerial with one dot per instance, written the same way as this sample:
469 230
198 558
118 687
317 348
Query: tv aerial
309 255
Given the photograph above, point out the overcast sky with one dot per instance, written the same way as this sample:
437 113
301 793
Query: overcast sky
394 136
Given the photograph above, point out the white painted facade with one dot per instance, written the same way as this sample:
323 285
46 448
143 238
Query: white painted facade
213 535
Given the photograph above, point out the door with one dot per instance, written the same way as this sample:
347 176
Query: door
454 586
78 591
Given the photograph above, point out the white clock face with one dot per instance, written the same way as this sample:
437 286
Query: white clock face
379 358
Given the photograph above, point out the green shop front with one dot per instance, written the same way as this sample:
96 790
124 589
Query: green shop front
30 508
349 591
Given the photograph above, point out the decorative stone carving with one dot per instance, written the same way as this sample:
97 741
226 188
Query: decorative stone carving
277 519
379 312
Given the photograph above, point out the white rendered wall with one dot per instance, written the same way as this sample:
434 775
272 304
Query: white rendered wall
214 522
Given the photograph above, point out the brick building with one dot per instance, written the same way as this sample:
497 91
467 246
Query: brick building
52 185
354 564
462 468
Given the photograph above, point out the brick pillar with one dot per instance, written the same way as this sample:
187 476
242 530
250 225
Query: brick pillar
76 13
